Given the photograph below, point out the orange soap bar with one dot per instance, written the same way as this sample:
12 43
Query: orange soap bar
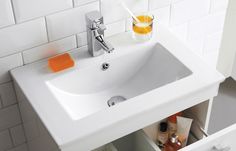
60 62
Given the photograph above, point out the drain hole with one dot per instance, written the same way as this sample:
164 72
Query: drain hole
105 66
115 100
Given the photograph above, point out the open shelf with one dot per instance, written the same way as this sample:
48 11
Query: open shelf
145 139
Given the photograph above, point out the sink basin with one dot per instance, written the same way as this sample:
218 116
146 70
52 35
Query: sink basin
157 78
85 91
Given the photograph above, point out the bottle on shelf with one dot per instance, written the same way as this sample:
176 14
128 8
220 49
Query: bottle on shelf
172 123
163 134
173 144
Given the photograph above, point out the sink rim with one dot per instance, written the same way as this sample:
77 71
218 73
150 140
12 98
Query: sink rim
201 78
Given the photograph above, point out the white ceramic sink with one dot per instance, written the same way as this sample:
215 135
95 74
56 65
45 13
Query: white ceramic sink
85 91
159 78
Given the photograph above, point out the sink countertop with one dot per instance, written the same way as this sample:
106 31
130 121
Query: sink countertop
109 124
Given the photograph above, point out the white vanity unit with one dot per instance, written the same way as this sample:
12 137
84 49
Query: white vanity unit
158 78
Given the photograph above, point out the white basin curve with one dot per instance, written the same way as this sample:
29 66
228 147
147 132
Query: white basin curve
85 91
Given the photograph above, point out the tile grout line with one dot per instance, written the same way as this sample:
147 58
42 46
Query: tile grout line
16 146
4 107
43 59
21 124
14 126
76 38
73 3
1 57
36 18
15 104
5 82
39 46
171 8
12 142
53 13
210 6
100 5
13 12
49 14
11 105
23 60
46 26
94 1
14 89
1 104
188 30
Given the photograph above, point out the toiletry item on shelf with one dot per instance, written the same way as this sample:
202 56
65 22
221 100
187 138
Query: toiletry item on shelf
183 128
173 143
172 123
163 135
60 62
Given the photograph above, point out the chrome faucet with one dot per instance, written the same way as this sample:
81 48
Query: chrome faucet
95 34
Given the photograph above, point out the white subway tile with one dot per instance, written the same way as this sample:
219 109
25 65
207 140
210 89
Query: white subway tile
113 11
69 22
9 117
154 4
22 36
211 59
27 111
115 28
30 9
201 28
8 63
162 15
181 31
196 45
219 5
212 43
7 94
185 10
82 39
82 2
128 24
5 140
6 14
206 25
19 94
49 49
42 137
36 144
32 130
22 147
17 134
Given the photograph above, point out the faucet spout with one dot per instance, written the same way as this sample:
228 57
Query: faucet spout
105 45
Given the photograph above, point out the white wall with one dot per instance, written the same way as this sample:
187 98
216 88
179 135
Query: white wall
227 56
31 30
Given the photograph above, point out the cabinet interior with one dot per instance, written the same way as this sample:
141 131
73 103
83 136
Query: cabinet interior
145 139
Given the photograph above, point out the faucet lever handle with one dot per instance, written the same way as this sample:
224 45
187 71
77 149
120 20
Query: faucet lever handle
102 27
94 20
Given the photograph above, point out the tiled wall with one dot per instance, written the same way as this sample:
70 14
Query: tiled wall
34 29
36 135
